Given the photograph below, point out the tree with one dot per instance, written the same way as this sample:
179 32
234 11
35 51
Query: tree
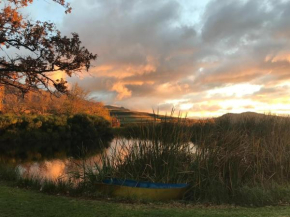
46 51
78 101
40 102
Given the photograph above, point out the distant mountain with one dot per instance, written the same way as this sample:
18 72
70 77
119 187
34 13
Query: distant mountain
115 108
238 116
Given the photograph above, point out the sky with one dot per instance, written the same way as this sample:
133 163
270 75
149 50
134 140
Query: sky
204 58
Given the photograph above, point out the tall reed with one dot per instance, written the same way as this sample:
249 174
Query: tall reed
162 153
232 161
235 154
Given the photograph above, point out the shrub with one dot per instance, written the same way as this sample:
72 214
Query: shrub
20 135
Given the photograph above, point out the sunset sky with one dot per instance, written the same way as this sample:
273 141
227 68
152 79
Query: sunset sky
206 58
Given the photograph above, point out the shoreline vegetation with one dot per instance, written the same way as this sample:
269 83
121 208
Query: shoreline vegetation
35 137
244 161
22 202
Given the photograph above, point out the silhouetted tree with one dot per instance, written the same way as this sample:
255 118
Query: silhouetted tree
43 50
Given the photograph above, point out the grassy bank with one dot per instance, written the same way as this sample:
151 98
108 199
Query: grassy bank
16 202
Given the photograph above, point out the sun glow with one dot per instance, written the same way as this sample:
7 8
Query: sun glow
186 106
237 90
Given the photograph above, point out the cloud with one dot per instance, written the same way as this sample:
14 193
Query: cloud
135 41
229 22
58 75
243 35
148 54
122 91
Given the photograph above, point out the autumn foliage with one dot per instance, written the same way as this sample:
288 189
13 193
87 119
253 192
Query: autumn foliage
46 50
43 103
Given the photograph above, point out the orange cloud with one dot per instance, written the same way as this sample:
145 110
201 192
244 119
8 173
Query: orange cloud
281 56
124 70
122 90
58 75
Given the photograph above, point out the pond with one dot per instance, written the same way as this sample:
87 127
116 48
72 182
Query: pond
62 165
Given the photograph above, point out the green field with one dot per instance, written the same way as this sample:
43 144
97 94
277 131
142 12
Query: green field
15 202
126 116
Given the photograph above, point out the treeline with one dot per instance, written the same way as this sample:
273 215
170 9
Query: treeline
42 103
32 137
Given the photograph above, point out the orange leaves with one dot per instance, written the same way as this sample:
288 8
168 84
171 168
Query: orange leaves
51 52
12 16
66 5
10 12
24 3
21 3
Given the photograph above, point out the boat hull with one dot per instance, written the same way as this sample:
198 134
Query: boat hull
160 194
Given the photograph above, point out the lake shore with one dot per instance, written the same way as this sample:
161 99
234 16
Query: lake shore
18 202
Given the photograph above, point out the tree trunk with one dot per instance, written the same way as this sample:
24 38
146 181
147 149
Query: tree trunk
2 88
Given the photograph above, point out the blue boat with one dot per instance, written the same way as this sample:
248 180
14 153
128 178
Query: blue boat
142 190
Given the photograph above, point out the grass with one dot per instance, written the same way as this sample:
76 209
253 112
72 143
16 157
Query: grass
16 202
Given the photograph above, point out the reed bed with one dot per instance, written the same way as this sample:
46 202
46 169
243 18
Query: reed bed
236 156
244 161
161 154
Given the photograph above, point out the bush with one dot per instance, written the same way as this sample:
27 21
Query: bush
89 130
28 135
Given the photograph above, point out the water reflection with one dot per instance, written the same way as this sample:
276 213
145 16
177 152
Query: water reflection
60 168
57 168
47 169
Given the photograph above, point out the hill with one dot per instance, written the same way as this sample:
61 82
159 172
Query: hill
234 117
126 116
